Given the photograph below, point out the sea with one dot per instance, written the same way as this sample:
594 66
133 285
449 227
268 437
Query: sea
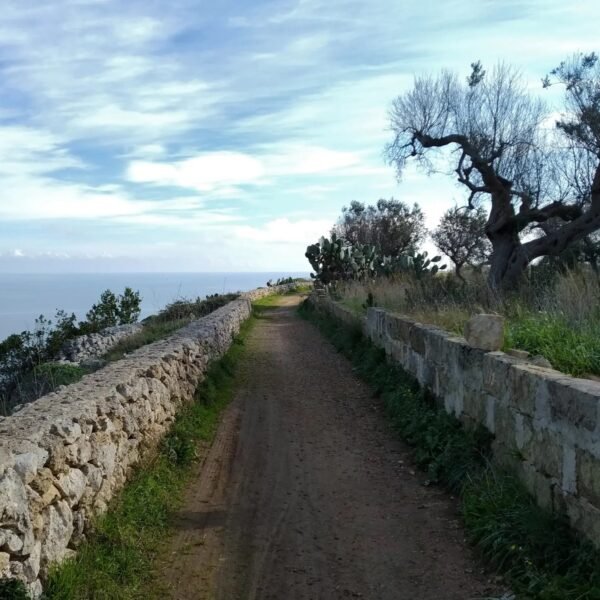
24 297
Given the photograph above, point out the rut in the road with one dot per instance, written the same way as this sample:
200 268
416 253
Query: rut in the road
307 495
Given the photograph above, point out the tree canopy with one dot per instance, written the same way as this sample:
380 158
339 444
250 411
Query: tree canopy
493 134
391 226
460 235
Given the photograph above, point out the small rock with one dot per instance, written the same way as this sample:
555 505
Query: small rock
518 353
485 332
4 564
540 361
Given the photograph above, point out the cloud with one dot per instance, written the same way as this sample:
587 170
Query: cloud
205 172
221 171
237 127
284 231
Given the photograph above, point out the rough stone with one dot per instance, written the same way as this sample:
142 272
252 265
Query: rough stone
4 564
57 534
540 361
588 476
72 485
485 332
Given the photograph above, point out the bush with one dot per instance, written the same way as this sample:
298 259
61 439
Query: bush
192 309
113 310
13 589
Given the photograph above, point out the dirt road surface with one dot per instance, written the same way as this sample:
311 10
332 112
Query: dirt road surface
307 495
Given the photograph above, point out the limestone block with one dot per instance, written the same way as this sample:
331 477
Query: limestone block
35 589
9 541
545 450
31 566
504 425
496 372
584 516
399 327
14 510
574 401
57 532
416 338
72 485
4 564
543 489
485 331
541 361
67 430
588 476
474 404
525 385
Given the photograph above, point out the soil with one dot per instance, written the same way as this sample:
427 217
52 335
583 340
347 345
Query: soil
306 494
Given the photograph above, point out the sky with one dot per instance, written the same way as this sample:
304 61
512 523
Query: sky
187 135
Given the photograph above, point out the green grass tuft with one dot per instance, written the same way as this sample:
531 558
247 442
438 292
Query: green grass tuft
538 552
570 349
117 561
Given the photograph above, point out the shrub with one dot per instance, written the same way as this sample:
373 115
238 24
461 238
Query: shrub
193 309
113 310
13 589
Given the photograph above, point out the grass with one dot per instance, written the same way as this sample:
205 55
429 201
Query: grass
539 554
556 316
570 349
151 332
117 561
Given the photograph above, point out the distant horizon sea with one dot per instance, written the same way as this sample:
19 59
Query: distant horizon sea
26 296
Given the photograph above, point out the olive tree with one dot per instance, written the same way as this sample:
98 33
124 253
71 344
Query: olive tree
391 226
493 134
460 235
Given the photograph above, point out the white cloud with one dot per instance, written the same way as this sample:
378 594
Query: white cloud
304 231
221 172
307 160
205 172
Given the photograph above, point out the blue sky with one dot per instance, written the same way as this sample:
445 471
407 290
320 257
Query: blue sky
185 135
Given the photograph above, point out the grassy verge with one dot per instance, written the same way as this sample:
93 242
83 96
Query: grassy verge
556 316
117 561
537 551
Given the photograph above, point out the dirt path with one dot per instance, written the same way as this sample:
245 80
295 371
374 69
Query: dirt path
306 494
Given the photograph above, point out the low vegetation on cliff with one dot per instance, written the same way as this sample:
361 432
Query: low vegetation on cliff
29 365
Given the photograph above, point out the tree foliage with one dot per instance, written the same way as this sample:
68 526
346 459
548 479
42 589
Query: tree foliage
23 353
504 151
114 310
460 235
391 226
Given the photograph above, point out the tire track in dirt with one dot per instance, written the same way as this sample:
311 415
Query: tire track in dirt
307 495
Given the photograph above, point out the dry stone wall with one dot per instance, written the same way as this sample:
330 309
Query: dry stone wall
65 455
94 345
546 424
